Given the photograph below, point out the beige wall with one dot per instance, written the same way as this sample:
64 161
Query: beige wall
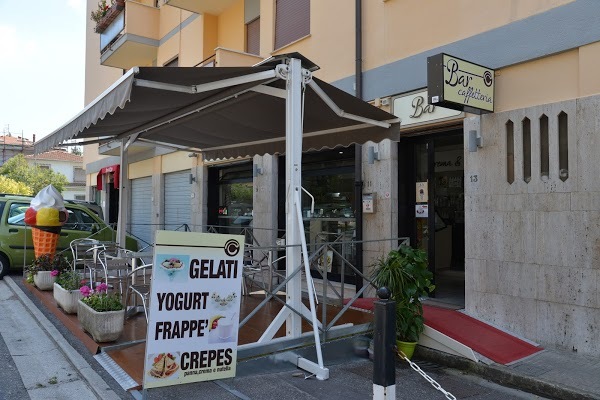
231 29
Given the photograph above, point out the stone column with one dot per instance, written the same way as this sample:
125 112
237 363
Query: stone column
381 180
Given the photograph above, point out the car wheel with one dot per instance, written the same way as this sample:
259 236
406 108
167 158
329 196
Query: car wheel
4 266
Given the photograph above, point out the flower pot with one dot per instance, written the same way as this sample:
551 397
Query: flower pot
103 326
43 280
66 299
408 348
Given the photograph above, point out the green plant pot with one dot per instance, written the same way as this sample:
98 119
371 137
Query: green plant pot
408 348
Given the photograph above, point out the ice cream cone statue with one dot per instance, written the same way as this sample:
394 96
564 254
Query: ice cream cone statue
46 216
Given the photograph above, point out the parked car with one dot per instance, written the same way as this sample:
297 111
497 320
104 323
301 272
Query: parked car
16 246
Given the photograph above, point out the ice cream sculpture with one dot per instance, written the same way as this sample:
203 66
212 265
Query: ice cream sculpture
46 216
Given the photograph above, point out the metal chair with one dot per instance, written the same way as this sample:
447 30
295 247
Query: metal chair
138 283
85 252
116 265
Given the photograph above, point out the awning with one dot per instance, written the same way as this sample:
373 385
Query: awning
223 111
106 170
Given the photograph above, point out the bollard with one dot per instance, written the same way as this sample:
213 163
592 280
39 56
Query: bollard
384 341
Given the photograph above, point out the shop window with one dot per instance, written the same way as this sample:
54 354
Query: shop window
526 125
292 21
544 149
235 206
563 146
510 152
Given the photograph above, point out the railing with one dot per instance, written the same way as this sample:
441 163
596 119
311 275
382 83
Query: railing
207 62
112 32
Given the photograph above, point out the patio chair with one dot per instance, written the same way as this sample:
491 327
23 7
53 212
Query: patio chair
116 264
138 284
85 257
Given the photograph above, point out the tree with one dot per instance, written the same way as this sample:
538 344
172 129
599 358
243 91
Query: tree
76 150
36 178
8 185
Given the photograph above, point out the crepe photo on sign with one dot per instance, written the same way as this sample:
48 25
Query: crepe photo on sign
164 365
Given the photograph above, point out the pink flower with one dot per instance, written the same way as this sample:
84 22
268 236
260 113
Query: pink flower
102 288
85 291
54 272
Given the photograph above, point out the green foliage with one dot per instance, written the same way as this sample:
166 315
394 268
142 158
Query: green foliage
8 185
102 301
36 178
101 11
404 272
69 279
47 262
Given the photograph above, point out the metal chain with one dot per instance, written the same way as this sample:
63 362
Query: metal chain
414 366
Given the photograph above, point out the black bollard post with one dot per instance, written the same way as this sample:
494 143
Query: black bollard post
384 338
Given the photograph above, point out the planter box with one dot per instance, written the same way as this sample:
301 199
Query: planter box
43 280
66 299
103 326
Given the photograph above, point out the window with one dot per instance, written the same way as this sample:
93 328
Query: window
43 166
253 37
252 21
510 152
526 150
292 21
78 175
544 149
563 146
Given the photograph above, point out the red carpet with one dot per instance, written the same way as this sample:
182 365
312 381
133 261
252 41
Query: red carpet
486 340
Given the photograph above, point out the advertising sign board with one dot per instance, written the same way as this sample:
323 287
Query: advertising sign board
459 84
194 308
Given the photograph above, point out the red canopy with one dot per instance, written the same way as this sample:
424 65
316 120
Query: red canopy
106 170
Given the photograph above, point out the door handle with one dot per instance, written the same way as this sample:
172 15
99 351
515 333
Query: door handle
64 234
12 230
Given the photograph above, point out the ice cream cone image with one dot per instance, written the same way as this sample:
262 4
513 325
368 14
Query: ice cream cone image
46 216
44 242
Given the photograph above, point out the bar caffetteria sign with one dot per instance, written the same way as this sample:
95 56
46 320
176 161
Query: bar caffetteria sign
460 85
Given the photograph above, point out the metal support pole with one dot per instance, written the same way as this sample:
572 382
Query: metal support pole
384 337
293 160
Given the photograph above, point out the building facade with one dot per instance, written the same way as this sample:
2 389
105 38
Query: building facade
511 226
66 163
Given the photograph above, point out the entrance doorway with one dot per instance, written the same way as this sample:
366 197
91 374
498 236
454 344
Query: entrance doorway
431 207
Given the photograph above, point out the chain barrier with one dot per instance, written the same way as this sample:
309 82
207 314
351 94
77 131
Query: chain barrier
414 366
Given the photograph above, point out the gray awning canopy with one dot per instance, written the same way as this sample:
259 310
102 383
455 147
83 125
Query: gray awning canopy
223 111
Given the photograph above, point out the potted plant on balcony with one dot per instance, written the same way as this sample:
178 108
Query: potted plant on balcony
44 269
106 13
100 313
404 272
66 290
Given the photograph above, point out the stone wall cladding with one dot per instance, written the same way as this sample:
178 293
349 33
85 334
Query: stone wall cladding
533 249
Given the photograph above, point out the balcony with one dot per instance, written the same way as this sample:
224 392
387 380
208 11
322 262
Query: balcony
214 7
131 38
233 58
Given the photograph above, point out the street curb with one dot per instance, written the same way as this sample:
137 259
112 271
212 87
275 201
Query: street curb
93 380
504 376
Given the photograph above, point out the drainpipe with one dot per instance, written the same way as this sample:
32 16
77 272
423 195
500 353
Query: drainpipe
358 183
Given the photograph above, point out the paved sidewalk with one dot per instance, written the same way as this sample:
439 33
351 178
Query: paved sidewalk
47 365
50 368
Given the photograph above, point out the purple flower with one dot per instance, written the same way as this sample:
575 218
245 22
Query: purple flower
54 272
102 288
85 291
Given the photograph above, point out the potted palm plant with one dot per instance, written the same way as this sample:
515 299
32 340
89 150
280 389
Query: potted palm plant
404 272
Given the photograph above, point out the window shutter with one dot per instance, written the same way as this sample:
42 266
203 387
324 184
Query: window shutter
253 37
292 21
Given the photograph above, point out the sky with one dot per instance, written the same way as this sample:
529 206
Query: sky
42 61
